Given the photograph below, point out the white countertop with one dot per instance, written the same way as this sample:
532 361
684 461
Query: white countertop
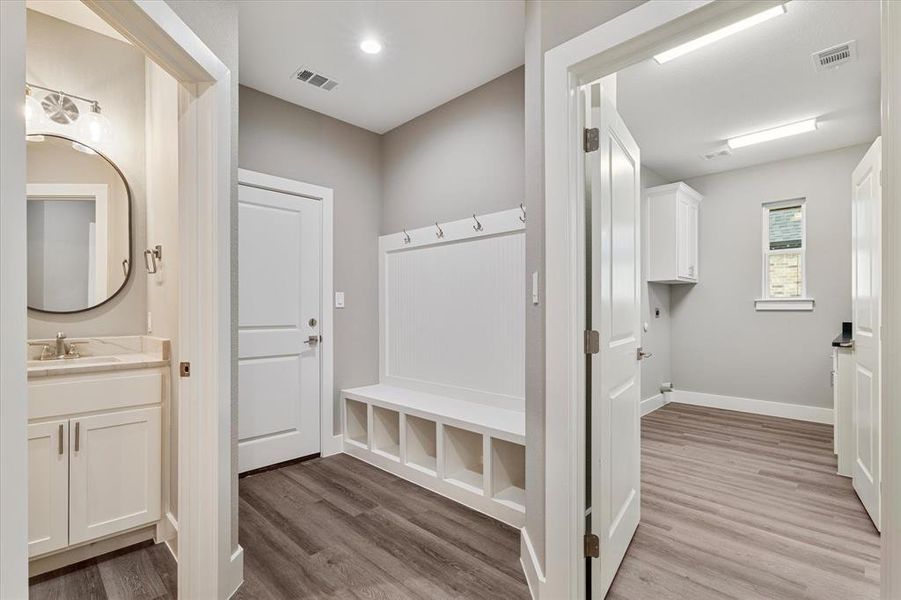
101 354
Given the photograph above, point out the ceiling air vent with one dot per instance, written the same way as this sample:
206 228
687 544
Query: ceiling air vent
315 79
836 56
717 154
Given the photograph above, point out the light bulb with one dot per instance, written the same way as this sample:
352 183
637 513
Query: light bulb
94 128
35 117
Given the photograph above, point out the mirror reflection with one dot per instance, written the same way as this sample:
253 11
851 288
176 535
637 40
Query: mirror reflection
79 221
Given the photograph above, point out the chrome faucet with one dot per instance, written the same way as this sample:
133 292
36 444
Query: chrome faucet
61 345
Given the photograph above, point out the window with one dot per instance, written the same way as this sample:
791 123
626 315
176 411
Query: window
784 257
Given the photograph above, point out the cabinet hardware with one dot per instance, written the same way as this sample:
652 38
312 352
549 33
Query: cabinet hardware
77 434
60 440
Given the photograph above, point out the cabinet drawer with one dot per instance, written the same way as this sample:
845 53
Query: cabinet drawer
57 396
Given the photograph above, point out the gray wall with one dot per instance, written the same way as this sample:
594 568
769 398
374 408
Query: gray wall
64 56
216 23
284 139
721 344
464 157
548 24
657 340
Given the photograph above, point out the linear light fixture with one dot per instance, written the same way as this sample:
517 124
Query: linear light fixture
719 34
772 134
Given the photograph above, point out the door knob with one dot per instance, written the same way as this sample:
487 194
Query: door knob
312 340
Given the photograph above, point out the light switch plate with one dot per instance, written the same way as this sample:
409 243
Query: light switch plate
339 299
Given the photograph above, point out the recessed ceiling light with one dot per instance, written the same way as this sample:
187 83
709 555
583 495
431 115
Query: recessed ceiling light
719 34
772 134
370 46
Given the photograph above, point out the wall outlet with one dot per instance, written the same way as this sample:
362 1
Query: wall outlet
339 299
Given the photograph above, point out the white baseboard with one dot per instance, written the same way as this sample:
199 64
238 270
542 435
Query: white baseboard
653 403
172 539
530 566
235 571
785 410
331 446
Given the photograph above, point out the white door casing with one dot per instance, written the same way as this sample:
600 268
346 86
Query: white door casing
615 275
279 310
48 486
866 289
115 464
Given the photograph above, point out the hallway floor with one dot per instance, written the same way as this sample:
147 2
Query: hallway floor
745 506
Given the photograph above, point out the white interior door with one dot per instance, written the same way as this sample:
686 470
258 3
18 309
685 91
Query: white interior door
279 245
615 375
866 248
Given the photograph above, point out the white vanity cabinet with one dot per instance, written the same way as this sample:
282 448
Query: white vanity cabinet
672 241
95 456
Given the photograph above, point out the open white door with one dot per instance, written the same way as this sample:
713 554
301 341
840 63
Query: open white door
279 244
866 266
615 313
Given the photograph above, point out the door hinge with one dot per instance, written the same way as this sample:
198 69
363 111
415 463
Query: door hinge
184 369
592 546
592 139
592 342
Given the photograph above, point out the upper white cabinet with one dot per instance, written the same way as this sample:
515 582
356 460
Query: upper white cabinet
672 243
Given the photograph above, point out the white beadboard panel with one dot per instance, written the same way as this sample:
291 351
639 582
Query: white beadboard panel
454 314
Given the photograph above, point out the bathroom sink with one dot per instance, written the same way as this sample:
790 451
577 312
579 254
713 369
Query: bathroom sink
62 362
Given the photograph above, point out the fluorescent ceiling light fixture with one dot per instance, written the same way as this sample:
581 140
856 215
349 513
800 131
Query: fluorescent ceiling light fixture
370 46
772 134
719 34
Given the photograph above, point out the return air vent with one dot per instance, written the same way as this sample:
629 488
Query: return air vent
836 56
315 79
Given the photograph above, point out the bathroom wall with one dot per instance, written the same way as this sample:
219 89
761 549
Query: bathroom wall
721 344
283 139
64 56
657 340
463 157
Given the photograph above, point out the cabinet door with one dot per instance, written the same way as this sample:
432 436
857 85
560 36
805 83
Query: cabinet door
683 242
48 487
114 472
693 212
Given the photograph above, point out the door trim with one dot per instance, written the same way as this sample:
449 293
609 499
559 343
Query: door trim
329 441
616 44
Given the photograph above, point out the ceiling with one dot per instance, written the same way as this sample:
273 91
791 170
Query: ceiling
75 13
432 52
760 78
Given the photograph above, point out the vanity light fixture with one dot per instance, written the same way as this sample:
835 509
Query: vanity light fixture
58 109
370 46
715 36
772 134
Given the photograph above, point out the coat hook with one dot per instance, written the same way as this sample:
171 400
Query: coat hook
440 233
523 209
406 237
477 226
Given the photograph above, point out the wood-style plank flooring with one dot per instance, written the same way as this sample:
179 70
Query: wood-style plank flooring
734 506
332 528
745 506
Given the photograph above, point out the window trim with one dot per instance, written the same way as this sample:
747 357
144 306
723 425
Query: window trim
765 302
